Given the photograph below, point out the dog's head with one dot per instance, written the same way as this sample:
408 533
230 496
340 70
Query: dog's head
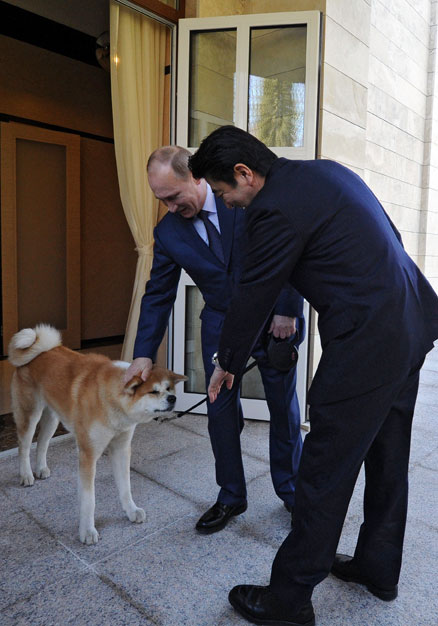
155 395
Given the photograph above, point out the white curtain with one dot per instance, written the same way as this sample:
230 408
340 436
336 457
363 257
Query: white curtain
138 57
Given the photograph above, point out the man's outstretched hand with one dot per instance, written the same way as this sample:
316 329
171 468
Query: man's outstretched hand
139 367
217 379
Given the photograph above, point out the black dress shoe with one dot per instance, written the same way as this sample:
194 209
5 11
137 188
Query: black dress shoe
218 516
260 605
345 568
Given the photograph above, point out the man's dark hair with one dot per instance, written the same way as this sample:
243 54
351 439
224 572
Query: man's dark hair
223 148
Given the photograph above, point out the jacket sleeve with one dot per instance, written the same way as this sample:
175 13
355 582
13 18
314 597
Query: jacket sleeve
157 302
289 303
274 247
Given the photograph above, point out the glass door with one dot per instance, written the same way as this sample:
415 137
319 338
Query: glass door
259 73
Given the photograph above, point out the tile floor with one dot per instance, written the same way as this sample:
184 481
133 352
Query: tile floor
162 573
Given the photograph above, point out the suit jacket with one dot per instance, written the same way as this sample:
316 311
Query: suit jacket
178 246
321 229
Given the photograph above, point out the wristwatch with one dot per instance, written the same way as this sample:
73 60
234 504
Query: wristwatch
215 360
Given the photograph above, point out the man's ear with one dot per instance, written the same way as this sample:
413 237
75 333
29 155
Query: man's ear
243 171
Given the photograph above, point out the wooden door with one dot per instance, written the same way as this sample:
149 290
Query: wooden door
40 213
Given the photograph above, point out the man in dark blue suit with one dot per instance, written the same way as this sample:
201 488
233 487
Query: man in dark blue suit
317 226
183 239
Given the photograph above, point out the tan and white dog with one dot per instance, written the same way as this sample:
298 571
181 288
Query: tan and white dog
87 394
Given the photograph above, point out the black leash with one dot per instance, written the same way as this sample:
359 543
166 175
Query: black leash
181 413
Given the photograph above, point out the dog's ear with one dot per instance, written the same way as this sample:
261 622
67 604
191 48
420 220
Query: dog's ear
132 385
178 378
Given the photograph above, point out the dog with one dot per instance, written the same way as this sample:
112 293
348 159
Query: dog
86 392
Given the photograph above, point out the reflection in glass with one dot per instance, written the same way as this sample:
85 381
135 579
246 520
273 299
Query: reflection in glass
212 82
277 85
193 364
252 385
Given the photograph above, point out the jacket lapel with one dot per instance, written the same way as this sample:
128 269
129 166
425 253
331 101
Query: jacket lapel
226 222
188 232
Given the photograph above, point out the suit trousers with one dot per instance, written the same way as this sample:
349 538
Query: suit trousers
225 423
374 428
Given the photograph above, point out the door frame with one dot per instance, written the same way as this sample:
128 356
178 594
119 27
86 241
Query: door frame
10 133
242 24
256 409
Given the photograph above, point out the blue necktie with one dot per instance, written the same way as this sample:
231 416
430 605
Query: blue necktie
214 238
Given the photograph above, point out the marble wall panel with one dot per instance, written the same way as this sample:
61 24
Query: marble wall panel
432 105
431 265
344 97
345 52
392 164
357 170
267 6
387 107
432 240
211 8
431 130
430 154
342 141
399 33
411 242
432 200
433 11
406 220
353 16
394 191
432 178
432 222
391 83
423 8
394 57
408 16
388 135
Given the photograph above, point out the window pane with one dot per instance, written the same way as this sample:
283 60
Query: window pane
193 366
212 82
277 85
252 385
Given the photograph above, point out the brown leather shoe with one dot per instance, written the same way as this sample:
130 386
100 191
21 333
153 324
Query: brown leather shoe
218 516
260 605
345 568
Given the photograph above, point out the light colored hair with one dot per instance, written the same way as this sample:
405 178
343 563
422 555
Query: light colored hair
175 156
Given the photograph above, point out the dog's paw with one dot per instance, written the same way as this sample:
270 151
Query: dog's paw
42 473
89 536
137 515
27 480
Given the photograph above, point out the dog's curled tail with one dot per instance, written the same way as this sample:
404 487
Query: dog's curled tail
30 342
